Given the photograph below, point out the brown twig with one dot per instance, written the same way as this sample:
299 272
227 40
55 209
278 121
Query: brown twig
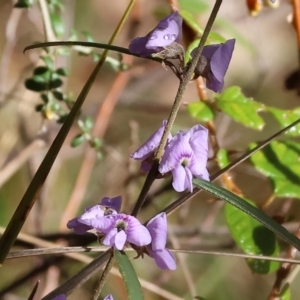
283 272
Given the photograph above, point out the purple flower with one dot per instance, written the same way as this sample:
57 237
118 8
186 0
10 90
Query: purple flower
146 151
121 228
109 297
163 257
186 155
60 297
165 33
213 64
107 206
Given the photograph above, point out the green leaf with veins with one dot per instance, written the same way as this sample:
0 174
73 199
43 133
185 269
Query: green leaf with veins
280 162
240 108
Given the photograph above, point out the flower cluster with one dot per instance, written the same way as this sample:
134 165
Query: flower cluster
117 229
164 39
185 155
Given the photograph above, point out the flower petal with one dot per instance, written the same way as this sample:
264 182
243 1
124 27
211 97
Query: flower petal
182 179
137 233
157 227
109 297
104 224
120 239
109 239
114 203
177 149
150 145
60 297
78 227
163 258
167 31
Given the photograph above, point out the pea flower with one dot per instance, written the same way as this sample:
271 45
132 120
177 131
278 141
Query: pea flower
109 297
107 206
121 228
213 64
167 31
163 257
186 155
146 151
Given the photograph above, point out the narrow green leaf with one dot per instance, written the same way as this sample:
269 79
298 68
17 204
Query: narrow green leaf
279 161
252 238
133 286
285 293
248 209
286 117
201 111
240 108
57 24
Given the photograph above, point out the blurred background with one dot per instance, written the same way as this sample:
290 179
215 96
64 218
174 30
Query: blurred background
127 109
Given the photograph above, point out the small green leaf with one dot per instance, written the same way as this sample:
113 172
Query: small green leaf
253 239
48 61
286 117
249 209
77 140
58 24
40 70
201 111
280 162
96 143
88 124
58 95
222 158
61 71
285 293
36 84
88 36
24 4
55 83
133 286
240 108
193 6
45 98
39 107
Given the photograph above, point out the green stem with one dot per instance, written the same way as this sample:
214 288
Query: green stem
16 223
102 280
186 77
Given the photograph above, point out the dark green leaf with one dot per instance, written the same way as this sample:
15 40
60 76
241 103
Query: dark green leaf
24 4
222 158
201 111
36 85
77 140
248 209
286 117
279 161
55 83
133 286
253 239
39 107
240 108
40 70
45 98
61 71
58 95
